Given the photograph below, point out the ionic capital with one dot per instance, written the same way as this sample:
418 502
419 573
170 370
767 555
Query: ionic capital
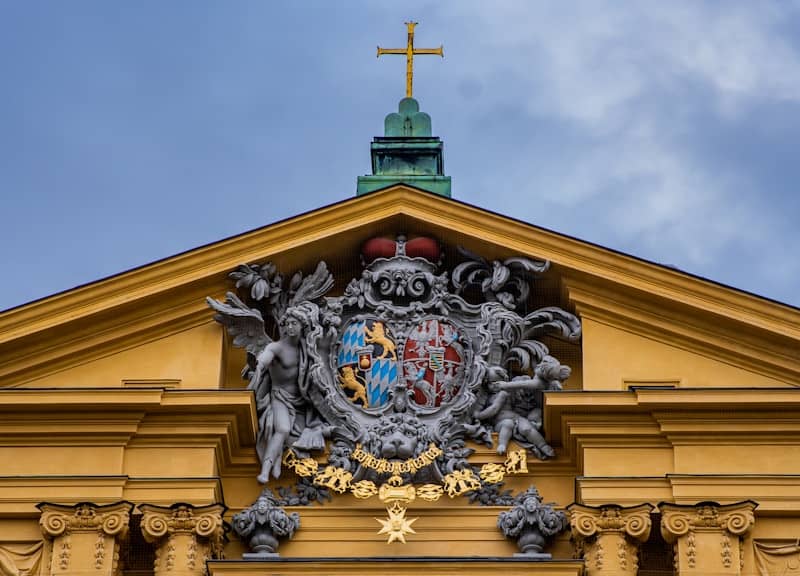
58 519
589 521
160 521
86 537
185 536
707 537
608 537
678 520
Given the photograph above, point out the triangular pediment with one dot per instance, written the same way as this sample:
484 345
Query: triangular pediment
618 293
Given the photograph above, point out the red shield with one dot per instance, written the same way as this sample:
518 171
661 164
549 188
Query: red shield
433 362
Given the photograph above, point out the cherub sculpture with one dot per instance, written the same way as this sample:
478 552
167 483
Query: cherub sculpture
513 410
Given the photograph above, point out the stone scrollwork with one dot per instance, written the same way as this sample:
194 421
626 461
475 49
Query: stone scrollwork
677 520
610 527
110 520
85 535
185 536
738 522
399 370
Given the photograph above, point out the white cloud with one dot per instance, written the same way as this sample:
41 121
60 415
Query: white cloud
584 60
632 79
634 87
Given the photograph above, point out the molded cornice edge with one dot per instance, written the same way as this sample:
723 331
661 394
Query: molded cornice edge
165 297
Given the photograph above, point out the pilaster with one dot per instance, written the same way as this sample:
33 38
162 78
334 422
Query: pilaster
608 537
185 536
708 537
85 537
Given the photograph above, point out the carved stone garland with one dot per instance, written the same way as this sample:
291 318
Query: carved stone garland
707 536
185 536
610 536
85 537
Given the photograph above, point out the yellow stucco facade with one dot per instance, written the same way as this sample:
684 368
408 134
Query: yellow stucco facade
126 394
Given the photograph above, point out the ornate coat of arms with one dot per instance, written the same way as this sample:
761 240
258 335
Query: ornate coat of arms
399 369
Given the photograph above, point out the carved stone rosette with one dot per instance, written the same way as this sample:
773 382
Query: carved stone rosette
85 537
707 536
609 537
185 536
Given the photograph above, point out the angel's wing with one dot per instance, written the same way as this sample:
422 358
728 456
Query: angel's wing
243 323
312 286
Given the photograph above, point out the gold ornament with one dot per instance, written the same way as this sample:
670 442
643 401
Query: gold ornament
364 489
396 525
517 462
492 473
412 465
460 482
409 52
337 479
430 492
302 467
395 491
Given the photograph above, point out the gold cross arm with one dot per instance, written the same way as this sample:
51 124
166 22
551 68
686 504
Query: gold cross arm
410 52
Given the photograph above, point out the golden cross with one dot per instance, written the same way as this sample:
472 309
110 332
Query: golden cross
409 51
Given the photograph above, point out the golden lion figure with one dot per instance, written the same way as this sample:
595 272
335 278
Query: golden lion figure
377 335
349 381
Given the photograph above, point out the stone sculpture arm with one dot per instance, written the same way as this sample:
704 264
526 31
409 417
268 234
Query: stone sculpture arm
521 384
494 406
263 361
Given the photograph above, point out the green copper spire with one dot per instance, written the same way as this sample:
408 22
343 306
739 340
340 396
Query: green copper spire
406 154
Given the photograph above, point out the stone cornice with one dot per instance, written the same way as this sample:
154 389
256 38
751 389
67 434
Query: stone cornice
669 416
668 425
224 419
166 296
20 495
775 494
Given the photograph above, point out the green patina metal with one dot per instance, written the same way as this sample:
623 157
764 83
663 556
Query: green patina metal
406 154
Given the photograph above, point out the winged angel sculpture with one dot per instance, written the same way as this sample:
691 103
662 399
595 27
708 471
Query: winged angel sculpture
405 358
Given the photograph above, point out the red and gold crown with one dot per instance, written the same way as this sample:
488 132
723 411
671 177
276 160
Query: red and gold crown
385 248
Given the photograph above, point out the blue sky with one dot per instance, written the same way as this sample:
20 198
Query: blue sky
133 131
